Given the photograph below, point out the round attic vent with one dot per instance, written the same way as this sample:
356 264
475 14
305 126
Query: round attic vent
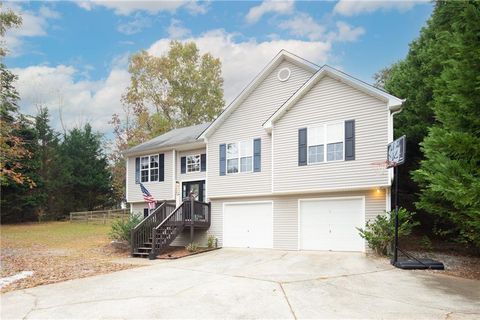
283 74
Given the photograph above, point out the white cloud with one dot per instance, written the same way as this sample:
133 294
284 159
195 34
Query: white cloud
78 101
351 8
125 8
34 24
62 88
269 6
137 24
176 30
243 60
303 25
347 33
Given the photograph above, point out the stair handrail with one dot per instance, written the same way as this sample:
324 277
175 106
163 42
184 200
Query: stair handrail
142 230
170 215
154 252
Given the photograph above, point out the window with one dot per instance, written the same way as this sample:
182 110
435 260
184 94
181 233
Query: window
315 139
154 168
232 158
240 157
193 163
335 135
327 136
149 168
144 169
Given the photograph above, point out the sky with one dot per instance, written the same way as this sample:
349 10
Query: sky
73 56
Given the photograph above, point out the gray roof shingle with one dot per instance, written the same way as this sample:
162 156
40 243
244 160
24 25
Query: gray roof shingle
172 138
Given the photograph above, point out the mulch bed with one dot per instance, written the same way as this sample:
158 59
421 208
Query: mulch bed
180 252
459 260
54 265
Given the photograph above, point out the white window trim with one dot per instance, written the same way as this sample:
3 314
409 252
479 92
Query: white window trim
238 157
150 168
324 125
199 161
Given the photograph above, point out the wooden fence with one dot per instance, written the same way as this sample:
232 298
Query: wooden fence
101 216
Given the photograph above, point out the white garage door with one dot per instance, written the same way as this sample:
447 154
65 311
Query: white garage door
248 225
330 224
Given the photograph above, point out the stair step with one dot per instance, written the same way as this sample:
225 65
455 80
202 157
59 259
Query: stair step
141 254
144 249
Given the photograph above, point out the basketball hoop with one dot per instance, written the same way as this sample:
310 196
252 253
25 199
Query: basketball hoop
380 166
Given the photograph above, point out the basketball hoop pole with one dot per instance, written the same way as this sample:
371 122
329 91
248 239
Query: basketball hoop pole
395 249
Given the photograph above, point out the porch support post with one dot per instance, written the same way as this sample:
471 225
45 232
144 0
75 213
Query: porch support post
192 215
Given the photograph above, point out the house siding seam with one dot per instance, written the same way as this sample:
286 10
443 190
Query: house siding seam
332 100
245 123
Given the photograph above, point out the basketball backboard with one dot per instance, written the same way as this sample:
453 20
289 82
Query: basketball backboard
396 152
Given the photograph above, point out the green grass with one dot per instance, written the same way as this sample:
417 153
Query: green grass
54 235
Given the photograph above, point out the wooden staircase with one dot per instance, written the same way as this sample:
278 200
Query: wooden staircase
157 231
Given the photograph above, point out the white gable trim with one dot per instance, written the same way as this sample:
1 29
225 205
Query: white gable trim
393 103
275 62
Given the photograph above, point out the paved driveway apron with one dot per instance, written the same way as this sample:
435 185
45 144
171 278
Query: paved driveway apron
237 283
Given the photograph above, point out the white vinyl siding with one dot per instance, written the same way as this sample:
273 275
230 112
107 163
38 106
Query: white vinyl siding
285 214
331 101
245 124
160 190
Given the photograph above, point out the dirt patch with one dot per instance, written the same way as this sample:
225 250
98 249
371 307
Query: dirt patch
56 252
455 265
180 252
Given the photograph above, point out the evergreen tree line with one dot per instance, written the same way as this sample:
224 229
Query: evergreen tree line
45 174
440 78
61 172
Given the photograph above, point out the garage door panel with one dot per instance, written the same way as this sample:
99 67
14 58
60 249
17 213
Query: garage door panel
248 225
331 224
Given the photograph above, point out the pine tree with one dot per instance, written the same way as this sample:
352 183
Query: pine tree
84 170
450 174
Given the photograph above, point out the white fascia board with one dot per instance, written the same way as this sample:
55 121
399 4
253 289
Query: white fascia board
179 147
393 103
255 83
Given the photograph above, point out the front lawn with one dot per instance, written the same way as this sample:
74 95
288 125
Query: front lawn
56 251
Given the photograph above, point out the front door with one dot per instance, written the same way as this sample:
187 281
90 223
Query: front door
197 187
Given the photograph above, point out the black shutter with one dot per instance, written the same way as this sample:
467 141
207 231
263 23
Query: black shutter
257 155
137 170
161 167
223 159
349 140
302 147
183 164
203 162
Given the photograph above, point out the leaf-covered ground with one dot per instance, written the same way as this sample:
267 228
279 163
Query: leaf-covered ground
56 251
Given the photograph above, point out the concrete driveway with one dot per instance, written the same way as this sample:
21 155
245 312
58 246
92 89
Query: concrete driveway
237 283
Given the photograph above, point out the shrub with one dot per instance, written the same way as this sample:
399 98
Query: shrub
380 232
426 243
121 228
211 241
192 247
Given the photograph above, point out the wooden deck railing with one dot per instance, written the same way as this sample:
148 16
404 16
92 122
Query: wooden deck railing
99 216
168 229
143 231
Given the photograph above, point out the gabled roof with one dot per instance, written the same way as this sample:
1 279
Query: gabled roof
175 137
393 103
281 56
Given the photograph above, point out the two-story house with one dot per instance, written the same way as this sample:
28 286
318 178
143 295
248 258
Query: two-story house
287 165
